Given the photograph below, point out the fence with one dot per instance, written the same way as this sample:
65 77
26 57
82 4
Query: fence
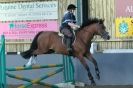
67 66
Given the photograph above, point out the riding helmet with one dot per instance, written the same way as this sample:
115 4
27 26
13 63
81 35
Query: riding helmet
71 6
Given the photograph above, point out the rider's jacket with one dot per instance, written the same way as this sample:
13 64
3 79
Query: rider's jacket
68 17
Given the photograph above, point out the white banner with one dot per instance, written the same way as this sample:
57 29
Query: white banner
28 11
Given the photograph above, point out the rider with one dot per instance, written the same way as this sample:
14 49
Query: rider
68 24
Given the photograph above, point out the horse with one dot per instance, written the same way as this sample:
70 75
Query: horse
48 42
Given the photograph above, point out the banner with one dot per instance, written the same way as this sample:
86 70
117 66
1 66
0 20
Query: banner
26 30
124 8
21 11
124 27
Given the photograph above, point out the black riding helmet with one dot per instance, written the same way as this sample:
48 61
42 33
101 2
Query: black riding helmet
71 6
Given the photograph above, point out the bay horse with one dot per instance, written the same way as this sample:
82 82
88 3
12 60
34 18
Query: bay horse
50 42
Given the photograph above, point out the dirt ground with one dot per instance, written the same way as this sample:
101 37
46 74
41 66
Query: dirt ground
107 86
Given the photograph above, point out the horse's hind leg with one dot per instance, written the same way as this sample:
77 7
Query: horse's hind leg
83 62
91 58
31 61
33 58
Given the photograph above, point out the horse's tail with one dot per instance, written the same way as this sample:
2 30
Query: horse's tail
27 54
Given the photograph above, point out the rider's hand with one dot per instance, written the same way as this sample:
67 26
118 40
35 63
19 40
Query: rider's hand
75 28
78 26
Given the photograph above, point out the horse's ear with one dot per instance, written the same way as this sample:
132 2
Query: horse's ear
101 21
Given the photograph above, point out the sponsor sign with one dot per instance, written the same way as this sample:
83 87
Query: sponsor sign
22 11
124 27
26 30
124 8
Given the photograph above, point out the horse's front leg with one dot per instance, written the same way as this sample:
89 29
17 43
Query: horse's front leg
91 58
31 61
83 62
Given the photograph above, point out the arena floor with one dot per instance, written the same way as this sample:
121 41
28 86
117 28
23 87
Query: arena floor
107 86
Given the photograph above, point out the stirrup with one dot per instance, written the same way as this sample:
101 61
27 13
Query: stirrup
70 51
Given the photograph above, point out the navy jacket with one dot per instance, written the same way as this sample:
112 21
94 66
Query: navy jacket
68 17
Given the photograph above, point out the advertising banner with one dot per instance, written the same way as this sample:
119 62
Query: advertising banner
124 27
124 8
21 11
26 30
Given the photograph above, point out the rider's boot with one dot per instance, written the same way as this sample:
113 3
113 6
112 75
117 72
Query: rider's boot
69 45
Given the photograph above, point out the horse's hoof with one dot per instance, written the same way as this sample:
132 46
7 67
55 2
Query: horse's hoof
24 65
98 76
27 65
93 83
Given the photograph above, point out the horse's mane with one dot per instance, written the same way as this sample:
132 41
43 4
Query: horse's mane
90 21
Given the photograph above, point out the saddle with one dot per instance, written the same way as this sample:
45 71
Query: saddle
63 37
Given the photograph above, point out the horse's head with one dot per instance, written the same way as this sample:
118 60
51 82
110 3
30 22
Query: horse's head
95 27
101 30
